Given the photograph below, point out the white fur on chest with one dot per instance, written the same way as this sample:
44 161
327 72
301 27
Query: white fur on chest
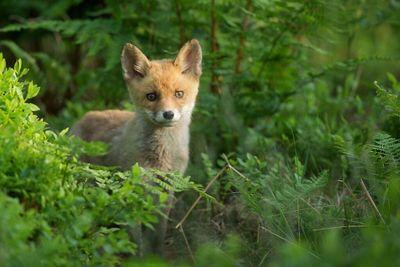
163 148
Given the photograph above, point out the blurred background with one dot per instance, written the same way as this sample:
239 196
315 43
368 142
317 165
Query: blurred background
300 96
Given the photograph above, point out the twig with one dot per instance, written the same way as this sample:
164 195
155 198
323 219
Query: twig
371 201
234 169
311 206
187 244
348 188
199 197
291 242
264 257
339 227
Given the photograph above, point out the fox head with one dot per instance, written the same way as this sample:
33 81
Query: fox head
164 91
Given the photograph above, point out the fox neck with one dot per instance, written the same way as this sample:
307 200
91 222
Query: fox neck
163 148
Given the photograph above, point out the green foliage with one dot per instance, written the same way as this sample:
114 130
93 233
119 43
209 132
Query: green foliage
294 93
387 150
390 99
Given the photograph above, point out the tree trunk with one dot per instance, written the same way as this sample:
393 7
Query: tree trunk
214 86
242 37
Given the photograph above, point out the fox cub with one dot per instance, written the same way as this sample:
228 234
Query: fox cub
157 134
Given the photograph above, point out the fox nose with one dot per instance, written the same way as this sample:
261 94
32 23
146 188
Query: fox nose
168 115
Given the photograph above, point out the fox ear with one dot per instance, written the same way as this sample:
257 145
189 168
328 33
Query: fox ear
189 58
134 63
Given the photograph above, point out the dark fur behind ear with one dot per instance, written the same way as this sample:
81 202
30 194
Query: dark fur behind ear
134 63
189 58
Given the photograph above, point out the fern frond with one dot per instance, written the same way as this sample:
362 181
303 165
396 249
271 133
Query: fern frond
390 100
387 150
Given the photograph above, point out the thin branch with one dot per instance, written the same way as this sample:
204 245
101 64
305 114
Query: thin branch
340 226
187 244
234 169
291 242
200 196
311 206
371 201
264 257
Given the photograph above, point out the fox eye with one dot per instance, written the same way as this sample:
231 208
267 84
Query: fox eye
179 94
151 96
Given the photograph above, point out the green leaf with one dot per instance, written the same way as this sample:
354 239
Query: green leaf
33 90
32 107
163 197
2 63
17 66
63 132
136 171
